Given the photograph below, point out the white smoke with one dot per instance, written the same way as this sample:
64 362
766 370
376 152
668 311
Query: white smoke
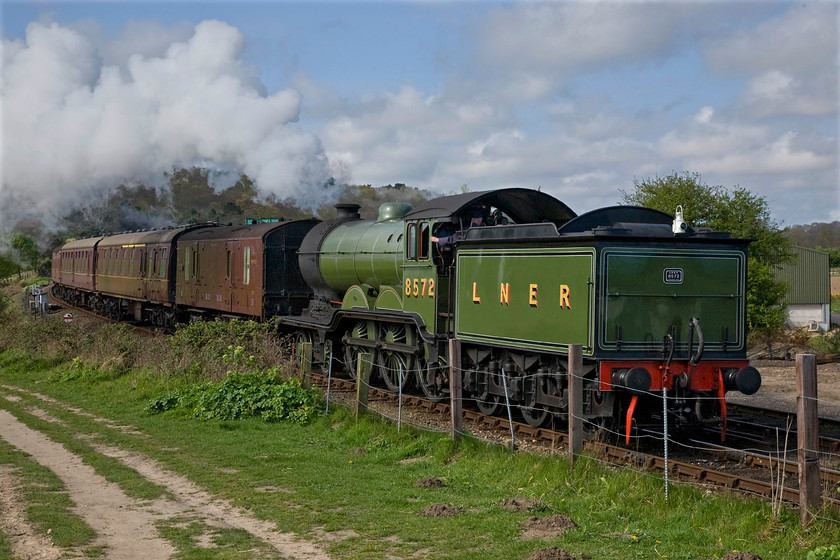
73 124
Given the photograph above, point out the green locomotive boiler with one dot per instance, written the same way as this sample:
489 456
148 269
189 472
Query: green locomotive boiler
653 303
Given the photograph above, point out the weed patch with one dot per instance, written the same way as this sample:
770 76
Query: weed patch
243 395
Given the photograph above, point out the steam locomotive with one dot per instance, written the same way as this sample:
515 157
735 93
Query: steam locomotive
654 303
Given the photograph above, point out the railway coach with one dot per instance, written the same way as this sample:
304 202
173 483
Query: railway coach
657 307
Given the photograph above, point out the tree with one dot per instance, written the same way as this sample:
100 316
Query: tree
25 250
833 255
745 215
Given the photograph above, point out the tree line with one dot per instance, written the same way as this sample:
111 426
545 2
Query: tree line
190 197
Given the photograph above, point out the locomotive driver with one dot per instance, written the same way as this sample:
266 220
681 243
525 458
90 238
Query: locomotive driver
477 218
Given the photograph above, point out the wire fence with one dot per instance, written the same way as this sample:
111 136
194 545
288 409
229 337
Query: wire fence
638 439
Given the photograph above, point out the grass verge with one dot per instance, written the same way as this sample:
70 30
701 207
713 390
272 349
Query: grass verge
351 485
358 479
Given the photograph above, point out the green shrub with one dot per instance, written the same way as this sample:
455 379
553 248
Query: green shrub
79 370
830 552
242 395
829 343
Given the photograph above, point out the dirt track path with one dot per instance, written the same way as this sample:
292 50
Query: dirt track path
124 526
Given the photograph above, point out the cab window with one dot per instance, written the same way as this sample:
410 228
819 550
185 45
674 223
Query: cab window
411 244
423 250
417 241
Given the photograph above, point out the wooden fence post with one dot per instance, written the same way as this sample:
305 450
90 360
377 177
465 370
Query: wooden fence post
306 364
807 430
363 367
456 405
575 376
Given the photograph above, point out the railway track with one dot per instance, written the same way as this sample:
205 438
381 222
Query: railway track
722 457
742 425
81 311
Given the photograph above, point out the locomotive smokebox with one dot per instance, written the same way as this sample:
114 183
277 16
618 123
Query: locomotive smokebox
636 380
746 380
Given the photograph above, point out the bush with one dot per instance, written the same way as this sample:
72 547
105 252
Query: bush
829 343
243 395
212 347
830 552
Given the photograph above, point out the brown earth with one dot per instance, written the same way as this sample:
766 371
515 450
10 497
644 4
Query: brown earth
430 483
539 528
778 387
521 504
554 553
740 556
125 527
440 510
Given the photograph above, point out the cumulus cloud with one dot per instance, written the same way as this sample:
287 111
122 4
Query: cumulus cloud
73 122
791 61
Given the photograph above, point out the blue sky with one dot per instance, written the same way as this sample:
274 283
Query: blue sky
577 98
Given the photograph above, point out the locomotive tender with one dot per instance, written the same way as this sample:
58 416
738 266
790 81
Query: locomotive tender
653 303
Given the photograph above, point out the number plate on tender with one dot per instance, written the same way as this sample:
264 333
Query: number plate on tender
672 276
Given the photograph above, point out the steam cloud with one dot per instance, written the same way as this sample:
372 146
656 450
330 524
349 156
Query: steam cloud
74 125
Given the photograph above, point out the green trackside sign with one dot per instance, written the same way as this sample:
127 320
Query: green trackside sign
526 298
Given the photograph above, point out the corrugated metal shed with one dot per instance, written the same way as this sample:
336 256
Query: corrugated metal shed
807 278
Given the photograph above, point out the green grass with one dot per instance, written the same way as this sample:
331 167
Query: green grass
48 504
323 481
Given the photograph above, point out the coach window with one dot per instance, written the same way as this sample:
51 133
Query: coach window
124 267
246 276
164 258
229 264
187 263
131 263
195 263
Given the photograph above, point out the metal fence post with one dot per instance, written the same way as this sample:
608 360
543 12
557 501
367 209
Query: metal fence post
575 369
456 405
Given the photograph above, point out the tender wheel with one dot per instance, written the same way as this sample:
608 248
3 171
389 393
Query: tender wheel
434 380
535 416
486 402
598 429
391 363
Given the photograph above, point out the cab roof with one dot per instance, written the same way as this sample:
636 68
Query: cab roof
523 206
